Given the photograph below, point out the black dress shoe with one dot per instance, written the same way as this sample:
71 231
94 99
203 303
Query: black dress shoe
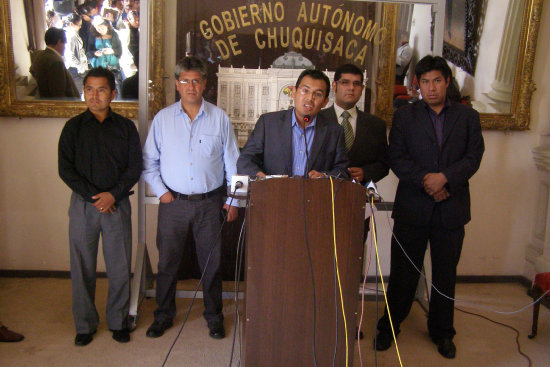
83 339
446 348
9 336
216 331
121 336
158 328
383 340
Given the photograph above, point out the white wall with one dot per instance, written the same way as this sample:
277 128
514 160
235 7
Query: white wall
34 201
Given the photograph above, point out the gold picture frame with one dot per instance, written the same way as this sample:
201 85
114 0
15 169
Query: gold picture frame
524 86
10 106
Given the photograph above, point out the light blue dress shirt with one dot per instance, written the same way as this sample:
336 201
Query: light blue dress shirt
190 156
299 156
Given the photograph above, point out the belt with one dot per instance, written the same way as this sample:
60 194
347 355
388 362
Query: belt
198 197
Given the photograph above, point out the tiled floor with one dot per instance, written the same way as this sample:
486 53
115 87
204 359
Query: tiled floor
40 308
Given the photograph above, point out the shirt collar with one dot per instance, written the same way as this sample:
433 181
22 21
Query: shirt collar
202 109
445 106
338 110
90 116
295 122
54 50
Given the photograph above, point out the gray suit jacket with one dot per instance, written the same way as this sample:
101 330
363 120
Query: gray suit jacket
53 79
269 147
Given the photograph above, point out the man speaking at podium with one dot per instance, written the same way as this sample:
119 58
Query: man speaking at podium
278 145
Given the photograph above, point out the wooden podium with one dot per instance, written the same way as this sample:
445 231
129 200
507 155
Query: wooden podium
279 307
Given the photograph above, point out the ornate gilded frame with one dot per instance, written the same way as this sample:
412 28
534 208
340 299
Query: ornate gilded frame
10 106
524 86
466 58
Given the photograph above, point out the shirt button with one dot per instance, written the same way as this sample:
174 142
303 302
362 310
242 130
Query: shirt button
191 178
191 163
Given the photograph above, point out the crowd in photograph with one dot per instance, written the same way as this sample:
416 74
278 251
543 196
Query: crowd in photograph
99 33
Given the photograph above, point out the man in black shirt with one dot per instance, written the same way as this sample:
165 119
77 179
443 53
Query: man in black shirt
100 160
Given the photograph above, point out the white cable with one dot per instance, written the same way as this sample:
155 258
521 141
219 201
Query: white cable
454 299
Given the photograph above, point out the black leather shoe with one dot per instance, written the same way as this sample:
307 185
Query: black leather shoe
446 348
216 331
383 340
158 328
121 336
83 339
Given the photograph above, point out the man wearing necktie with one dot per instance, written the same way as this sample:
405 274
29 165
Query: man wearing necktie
435 148
364 134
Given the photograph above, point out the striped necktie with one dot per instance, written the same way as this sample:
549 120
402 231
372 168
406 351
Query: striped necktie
348 130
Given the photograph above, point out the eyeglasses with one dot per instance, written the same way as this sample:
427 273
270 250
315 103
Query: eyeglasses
345 83
194 82
304 91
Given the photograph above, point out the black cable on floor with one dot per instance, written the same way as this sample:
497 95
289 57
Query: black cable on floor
239 260
198 285
501 324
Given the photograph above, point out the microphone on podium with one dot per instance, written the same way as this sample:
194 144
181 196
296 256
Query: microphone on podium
371 189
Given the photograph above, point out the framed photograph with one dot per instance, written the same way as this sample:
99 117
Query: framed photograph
461 39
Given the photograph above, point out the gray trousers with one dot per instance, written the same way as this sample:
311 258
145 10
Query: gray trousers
174 222
85 225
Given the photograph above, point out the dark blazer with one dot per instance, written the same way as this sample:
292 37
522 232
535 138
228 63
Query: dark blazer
414 152
370 146
53 79
269 147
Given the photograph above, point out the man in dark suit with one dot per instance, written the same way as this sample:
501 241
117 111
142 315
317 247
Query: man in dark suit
297 142
48 68
435 147
364 134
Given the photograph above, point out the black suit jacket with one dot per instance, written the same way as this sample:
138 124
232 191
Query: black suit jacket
370 146
269 147
414 152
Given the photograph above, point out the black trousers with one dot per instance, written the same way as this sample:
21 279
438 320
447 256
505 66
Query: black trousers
445 248
174 221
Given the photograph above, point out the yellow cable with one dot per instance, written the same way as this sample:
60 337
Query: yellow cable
383 286
337 271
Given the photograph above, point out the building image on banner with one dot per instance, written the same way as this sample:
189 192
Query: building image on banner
246 93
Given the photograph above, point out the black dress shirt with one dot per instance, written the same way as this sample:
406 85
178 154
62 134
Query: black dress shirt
98 156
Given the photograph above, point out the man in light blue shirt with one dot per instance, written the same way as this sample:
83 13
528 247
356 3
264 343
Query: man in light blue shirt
191 144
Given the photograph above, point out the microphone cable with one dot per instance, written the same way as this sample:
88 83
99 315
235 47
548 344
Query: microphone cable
198 285
337 271
310 271
371 203
459 300
473 304
238 264
363 289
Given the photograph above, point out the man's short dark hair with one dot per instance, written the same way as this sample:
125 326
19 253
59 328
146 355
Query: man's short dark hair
430 63
315 74
54 35
100 72
191 63
347 69
73 18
